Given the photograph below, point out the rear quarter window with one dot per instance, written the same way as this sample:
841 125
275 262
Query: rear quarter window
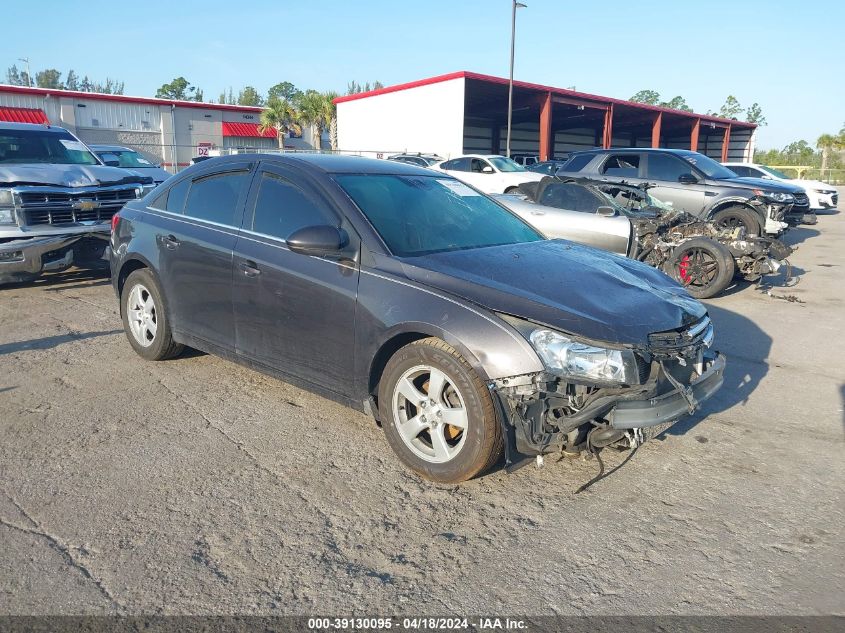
577 163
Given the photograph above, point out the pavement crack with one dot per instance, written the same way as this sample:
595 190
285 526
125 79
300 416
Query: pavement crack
60 546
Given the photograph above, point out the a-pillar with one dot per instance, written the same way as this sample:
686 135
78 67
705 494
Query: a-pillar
546 140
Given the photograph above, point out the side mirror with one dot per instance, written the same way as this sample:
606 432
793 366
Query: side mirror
687 179
487 170
112 160
607 212
317 240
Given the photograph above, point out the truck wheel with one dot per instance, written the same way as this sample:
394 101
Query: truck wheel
145 317
437 414
704 267
735 216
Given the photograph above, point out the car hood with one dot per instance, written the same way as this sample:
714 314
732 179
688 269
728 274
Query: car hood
576 289
522 176
68 175
760 183
812 184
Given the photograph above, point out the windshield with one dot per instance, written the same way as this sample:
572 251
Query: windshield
128 158
417 215
710 167
42 146
774 172
505 164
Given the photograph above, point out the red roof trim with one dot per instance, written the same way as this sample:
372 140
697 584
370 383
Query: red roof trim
105 97
231 128
539 87
24 115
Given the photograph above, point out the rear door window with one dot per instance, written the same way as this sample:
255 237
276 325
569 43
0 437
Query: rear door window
458 164
577 163
215 198
622 165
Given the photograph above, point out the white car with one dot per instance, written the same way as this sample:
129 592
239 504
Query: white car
821 194
488 173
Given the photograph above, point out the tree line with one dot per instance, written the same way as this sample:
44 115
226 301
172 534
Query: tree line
52 78
829 155
286 107
731 108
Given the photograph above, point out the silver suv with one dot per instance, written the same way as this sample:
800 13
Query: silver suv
57 200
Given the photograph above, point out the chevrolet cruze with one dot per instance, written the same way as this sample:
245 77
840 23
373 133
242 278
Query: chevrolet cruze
407 294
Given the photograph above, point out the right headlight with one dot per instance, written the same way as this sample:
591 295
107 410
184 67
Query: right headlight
775 196
569 358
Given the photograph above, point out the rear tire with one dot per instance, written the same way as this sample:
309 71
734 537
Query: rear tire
511 189
145 318
732 217
447 435
701 265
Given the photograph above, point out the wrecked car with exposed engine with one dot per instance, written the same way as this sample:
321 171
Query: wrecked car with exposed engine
699 185
627 220
57 200
405 293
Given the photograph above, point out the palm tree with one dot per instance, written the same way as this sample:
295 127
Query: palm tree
826 143
331 117
282 116
312 105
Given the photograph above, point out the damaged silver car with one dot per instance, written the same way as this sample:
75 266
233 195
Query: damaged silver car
57 201
625 219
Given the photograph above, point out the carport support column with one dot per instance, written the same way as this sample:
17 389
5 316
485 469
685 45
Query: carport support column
546 128
655 130
726 143
693 137
607 138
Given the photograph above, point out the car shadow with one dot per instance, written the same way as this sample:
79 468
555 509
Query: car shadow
798 235
55 281
49 342
747 349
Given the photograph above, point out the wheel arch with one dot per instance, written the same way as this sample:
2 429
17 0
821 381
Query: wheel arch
733 202
130 265
398 338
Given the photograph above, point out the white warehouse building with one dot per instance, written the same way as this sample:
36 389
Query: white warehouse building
465 112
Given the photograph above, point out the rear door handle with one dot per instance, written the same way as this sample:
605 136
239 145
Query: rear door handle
170 242
250 268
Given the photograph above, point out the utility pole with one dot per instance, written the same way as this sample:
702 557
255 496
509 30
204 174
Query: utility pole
516 5
29 79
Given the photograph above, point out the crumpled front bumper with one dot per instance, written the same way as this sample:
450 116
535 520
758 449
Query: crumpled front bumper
668 407
24 259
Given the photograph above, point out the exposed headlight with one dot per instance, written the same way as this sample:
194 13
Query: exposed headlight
776 196
567 357
5 198
7 208
7 216
825 192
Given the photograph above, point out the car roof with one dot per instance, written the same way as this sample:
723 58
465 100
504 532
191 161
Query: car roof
107 148
325 163
632 150
7 125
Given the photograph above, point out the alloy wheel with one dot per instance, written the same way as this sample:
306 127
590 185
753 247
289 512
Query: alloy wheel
142 315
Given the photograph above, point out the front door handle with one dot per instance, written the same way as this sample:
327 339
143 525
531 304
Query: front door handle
250 268
170 242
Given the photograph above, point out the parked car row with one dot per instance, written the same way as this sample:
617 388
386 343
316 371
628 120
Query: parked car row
409 293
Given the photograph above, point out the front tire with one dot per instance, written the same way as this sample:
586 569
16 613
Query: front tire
703 266
437 414
736 216
145 317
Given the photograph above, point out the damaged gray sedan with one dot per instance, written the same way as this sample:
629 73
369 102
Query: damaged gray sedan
408 294
627 220
56 201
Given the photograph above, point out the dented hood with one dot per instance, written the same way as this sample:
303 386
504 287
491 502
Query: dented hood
67 175
573 288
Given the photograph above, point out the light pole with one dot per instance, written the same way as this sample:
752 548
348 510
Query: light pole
28 73
516 5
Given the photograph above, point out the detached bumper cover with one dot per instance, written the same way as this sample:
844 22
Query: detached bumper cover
23 259
669 407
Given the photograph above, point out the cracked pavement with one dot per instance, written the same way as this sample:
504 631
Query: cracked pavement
197 486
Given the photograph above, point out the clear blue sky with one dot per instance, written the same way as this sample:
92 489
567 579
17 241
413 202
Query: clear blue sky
788 55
